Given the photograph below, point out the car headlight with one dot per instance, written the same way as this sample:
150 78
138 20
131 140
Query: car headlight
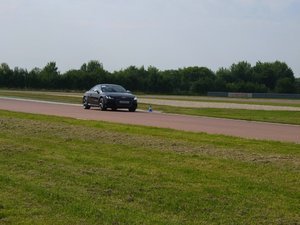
109 97
135 98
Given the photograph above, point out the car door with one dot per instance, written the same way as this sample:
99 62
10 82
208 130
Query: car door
93 95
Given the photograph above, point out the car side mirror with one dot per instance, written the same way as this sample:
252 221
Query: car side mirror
97 91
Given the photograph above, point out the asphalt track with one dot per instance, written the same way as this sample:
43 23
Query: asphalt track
238 128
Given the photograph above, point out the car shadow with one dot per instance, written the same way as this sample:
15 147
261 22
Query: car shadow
117 111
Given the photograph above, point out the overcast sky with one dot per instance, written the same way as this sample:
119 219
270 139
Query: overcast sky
167 34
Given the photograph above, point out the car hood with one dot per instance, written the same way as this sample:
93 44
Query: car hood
119 94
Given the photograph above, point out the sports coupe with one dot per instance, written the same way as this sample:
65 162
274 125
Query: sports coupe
111 96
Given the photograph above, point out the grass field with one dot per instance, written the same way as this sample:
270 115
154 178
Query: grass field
47 96
251 101
57 170
287 117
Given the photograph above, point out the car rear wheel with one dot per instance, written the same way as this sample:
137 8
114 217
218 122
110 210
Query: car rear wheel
102 104
85 103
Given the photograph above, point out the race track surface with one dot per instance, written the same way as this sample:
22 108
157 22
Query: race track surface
239 128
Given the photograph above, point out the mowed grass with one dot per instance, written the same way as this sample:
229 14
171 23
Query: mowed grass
286 117
57 170
251 101
45 96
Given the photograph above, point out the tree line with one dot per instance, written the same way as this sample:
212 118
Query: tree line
263 77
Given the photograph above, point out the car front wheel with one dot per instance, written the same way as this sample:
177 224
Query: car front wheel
102 104
85 103
132 109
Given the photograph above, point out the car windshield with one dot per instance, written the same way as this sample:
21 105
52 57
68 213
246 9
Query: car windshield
112 88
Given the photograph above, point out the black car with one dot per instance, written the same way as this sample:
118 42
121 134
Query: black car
109 96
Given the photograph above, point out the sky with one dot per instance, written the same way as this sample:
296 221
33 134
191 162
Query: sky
167 34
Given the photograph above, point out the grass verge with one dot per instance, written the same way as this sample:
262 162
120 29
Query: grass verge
39 95
286 117
57 170
251 101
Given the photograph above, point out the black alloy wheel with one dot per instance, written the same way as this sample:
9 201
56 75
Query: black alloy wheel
85 103
132 109
102 104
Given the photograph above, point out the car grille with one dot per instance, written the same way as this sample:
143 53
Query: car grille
123 101
123 98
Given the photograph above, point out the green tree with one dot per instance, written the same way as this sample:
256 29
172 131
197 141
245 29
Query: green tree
20 77
34 78
202 86
269 73
132 78
49 76
285 85
6 76
225 75
95 72
94 66
154 79
297 85
241 71
171 82
194 78
240 77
